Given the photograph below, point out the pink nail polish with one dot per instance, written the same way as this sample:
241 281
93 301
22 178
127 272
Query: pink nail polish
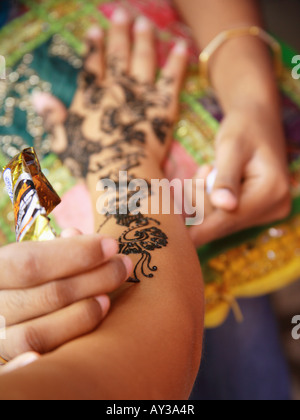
95 32
211 180
120 16
109 248
41 101
180 48
104 302
142 24
224 199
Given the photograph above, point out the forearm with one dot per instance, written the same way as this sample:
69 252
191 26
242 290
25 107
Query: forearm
150 345
241 71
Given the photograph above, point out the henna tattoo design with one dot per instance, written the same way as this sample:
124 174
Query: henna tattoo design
93 93
142 240
121 121
113 64
79 149
123 138
161 128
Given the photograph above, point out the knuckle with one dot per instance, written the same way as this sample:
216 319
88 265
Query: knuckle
144 53
34 340
56 295
29 269
13 300
281 188
91 313
229 226
285 194
285 208
117 53
226 180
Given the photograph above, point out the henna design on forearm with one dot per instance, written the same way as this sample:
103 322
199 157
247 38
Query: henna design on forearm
119 145
142 239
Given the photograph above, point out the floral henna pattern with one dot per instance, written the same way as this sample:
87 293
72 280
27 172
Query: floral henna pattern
128 113
142 239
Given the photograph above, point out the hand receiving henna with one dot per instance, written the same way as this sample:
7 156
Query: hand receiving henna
118 102
121 120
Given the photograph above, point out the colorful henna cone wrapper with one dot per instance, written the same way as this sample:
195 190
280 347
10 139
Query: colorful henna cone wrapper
32 196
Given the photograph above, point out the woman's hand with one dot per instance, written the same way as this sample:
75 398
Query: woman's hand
54 292
252 185
118 103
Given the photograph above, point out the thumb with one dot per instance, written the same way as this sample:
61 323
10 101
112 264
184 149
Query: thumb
49 107
229 165
54 114
70 233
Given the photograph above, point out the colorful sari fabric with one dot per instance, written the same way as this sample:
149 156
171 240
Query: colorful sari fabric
43 50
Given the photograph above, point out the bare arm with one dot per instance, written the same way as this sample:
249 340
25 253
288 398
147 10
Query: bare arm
251 136
150 346
242 69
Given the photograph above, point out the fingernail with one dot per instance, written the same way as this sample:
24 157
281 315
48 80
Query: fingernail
109 248
28 358
128 264
21 361
41 101
211 180
142 24
120 16
224 199
104 302
95 32
180 48
70 233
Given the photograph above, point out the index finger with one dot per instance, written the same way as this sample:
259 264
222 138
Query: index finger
33 263
216 226
252 211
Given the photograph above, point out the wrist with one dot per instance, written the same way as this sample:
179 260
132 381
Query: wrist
243 75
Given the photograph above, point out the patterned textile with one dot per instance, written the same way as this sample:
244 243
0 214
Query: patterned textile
43 51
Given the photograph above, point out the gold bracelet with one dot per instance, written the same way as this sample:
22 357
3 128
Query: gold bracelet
3 361
235 33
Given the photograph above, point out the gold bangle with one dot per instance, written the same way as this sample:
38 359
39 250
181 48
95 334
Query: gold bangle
225 36
3 361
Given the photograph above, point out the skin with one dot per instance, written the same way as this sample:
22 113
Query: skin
34 292
150 345
254 188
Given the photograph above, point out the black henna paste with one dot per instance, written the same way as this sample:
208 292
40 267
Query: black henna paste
161 128
141 239
123 124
